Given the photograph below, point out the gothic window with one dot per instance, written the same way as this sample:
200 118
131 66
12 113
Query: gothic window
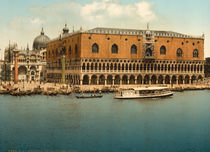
83 66
95 48
179 52
163 50
133 49
148 52
114 49
195 53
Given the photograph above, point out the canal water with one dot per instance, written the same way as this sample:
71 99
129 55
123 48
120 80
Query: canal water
63 123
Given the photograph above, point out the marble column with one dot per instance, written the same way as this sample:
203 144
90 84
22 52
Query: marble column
63 68
16 67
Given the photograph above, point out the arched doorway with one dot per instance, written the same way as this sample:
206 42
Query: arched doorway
160 79
132 79
173 81
109 80
125 79
153 79
200 78
22 72
139 79
146 79
94 80
167 79
33 73
117 80
193 79
85 80
180 79
102 80
187 79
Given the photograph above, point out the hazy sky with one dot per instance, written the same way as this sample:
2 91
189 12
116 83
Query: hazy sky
21 20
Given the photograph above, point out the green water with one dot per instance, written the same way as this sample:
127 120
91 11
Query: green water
176 124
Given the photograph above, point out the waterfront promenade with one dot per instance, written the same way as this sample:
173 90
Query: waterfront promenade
56 88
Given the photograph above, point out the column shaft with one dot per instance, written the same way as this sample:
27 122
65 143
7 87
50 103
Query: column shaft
16 69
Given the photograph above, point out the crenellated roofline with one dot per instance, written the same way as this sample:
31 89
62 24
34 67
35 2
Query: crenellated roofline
135 32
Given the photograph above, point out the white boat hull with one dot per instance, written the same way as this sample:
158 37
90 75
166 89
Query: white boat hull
143 96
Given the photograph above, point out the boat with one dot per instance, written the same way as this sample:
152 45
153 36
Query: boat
143 92
89 96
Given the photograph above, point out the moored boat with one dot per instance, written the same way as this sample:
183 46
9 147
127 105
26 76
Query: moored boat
89 96
143 92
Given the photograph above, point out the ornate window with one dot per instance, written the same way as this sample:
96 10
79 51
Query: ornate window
163 50
114 49
95 48
133 49
148 52
179 52
195 53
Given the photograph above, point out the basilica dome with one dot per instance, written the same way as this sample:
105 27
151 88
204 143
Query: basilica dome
40 41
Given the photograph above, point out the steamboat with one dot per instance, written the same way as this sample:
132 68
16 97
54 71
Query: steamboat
143 92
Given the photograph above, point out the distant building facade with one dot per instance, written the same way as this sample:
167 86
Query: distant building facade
1 63
207 67
107 56
31 63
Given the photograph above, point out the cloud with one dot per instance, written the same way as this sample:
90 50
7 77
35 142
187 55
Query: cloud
106 13
144 10
98 13
109 9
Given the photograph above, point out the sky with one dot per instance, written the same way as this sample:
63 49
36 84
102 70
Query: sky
21 20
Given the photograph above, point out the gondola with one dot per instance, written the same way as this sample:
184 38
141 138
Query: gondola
89 96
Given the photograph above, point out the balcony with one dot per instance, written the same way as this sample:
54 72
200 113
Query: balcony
149 57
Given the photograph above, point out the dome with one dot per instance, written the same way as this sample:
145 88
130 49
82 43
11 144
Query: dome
40 41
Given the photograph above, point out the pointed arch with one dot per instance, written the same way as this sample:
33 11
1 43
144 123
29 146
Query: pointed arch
167 79
146 79
153 79
179 52
162 50
85 80
102 80
132 79
95 48
133 49
94 80
117 80
114 49
195 53
139 79
125 79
